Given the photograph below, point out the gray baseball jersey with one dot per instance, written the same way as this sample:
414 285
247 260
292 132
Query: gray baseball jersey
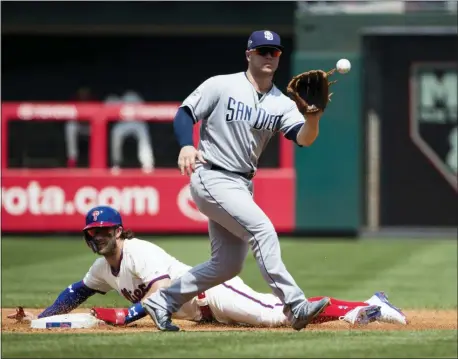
236 124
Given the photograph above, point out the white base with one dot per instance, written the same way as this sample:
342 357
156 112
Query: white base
72 320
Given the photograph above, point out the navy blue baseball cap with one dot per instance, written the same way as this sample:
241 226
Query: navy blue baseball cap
264 38
103 216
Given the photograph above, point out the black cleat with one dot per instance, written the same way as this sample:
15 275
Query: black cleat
308 312
161 318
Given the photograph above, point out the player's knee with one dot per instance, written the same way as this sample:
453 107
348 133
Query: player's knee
265 228
235 269
230 273
263 232
274 319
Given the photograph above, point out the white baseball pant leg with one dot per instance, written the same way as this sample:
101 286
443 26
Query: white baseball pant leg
139 130
234 302
71 139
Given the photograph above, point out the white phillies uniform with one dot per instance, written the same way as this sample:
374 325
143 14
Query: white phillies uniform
144 263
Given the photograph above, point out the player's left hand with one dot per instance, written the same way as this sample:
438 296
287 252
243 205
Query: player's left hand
187 159
21 315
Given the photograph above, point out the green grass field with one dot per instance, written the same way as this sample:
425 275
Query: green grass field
416 274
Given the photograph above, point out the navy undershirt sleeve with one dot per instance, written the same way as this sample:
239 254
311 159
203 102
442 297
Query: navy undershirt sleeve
292 133
183 127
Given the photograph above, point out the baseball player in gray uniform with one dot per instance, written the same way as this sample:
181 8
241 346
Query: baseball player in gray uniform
240 113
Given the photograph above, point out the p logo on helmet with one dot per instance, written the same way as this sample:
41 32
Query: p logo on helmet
95 214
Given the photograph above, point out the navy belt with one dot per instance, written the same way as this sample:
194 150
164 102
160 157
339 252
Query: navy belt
247 175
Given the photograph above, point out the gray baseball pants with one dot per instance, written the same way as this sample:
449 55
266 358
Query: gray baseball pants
236 222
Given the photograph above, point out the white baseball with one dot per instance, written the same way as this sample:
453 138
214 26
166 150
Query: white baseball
343 66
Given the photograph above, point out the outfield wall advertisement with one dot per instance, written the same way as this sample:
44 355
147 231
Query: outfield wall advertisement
47 201
40 194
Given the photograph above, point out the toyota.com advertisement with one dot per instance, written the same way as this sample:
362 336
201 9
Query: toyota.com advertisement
47 201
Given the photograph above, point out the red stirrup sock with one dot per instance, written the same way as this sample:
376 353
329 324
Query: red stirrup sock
340 302
336 309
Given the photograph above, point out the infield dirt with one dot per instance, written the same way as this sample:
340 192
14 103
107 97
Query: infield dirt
425 319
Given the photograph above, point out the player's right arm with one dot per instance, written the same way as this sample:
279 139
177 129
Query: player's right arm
198 105
77 293
70 298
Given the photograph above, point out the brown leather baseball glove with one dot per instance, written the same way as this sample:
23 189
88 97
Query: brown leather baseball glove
310 90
